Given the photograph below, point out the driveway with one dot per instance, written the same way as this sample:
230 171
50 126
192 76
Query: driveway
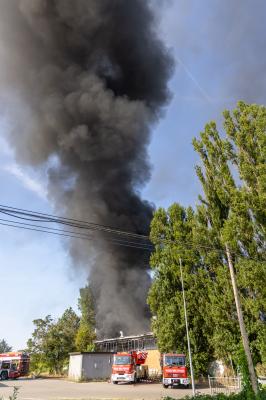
59 389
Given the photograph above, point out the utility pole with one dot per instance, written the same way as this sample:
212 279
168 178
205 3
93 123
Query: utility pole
243 331
188 340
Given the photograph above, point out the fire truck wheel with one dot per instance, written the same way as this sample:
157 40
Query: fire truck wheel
165 386
4 375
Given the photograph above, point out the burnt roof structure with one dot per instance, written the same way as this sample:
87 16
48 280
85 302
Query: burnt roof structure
145 341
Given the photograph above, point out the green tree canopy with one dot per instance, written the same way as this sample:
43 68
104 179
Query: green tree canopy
4 346
231 213
86 332
169 231
233 178
52 341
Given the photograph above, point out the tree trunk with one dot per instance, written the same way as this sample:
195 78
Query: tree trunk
243 331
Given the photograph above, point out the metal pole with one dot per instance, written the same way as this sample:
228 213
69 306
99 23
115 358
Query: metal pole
210 383
188 340
252 374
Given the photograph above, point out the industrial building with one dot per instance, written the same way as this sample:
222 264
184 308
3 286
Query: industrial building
98 364
145 341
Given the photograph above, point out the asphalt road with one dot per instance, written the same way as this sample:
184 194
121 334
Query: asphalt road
59 389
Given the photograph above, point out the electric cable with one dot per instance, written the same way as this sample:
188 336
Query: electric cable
141 241
12 211
70 232
31 228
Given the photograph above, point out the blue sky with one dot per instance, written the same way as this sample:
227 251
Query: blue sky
218 52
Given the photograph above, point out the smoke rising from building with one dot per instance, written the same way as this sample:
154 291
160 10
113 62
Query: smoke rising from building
86 80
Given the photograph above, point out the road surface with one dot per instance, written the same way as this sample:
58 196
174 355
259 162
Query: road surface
59 389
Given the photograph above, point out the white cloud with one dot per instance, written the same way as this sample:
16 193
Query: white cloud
27 181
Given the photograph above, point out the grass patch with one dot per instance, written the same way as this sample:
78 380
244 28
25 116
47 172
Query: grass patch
234 396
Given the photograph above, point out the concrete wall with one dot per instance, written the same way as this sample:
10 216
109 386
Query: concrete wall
87 366
75 367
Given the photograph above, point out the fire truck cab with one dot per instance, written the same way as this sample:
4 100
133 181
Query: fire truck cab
174 370
8 370
128 367
13 365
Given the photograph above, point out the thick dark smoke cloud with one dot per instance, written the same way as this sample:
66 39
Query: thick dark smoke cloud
86 80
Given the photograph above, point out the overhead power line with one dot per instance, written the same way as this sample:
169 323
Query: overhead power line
68 235
88 230
79 229
42 217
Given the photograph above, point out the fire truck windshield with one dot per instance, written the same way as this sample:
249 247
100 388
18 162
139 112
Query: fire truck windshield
174 360
5 365
122 360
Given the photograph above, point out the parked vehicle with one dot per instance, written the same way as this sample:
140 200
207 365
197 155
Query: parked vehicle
129 367
174 370
8 370
14 364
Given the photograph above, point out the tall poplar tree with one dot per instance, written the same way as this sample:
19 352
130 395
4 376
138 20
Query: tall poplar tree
86 332
221 243
171 234
233 180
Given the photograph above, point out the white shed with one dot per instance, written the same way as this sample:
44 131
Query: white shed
90 365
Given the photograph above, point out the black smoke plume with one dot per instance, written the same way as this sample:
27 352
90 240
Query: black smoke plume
87 80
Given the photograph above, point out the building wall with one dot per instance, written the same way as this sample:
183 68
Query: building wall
75 367
87 366
153 362
97 365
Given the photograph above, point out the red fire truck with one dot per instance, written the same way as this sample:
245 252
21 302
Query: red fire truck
174 370
129 367
14 365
